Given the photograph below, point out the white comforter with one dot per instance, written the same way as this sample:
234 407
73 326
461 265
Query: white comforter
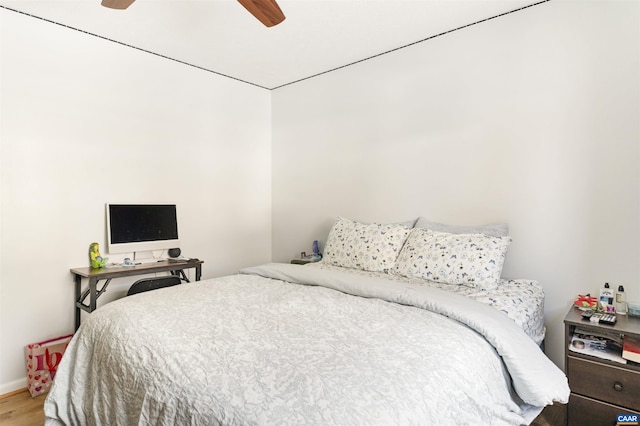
246 349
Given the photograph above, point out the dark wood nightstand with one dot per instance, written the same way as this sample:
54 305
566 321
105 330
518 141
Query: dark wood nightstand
303 261
600 389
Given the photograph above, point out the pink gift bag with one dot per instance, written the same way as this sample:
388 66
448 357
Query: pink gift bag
42 359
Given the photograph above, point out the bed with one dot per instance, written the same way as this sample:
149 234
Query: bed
321 344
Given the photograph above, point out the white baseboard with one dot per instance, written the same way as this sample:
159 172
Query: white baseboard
13 386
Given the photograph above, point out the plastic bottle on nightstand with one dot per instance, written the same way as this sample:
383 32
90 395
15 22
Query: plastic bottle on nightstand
621 301
606 298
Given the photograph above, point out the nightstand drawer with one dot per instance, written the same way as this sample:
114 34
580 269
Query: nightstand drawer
590 412
604 382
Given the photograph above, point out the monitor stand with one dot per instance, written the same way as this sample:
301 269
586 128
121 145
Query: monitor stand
144 257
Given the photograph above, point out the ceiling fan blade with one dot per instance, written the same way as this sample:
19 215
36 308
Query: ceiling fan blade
117 4
266 11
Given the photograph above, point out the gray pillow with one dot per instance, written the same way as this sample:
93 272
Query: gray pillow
494 230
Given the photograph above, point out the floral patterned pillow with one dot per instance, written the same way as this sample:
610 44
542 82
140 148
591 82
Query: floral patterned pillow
372 247
474 260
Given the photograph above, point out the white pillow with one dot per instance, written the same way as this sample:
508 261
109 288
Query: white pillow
369 247
495 229
474 260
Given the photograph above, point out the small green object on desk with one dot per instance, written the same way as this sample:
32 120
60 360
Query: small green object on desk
95 259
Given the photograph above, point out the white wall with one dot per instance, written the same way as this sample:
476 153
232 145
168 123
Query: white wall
85 122
531 119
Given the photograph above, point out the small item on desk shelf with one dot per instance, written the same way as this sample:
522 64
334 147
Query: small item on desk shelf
608 319
586 301
311 258
148 261
631 349
96 261
181 260
599 317
606 300
315 257
587 314
601 343
621 301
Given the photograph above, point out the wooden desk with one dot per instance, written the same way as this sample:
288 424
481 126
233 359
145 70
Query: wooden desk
95 275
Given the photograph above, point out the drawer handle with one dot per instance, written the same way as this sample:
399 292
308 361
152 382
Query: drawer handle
617 386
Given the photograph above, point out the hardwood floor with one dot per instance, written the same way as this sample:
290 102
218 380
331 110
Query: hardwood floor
552 415
20 409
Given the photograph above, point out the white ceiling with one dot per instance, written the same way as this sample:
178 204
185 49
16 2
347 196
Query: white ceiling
222 37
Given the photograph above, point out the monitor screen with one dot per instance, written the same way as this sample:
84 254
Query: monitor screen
141 227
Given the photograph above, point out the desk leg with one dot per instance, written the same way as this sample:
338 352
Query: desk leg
198 272
93 284
78 280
